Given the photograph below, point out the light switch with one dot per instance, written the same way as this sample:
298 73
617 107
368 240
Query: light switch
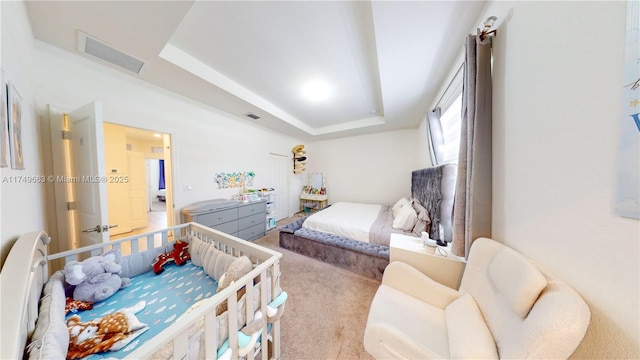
187 187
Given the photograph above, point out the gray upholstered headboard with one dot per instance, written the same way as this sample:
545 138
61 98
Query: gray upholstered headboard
434 188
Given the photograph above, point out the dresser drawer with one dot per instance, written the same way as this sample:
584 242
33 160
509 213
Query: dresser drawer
253 232
217 217
250 221
230 227
252 209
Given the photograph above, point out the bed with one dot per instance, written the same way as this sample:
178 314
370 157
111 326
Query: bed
33 319
162 195
364 248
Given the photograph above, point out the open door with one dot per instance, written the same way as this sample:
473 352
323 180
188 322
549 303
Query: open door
168 171
88 166
79 164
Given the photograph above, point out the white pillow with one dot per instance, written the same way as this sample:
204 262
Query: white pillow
406 218
399 204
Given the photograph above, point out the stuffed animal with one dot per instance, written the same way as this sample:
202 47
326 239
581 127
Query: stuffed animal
179 255
109 333
237 269
95 278
75 305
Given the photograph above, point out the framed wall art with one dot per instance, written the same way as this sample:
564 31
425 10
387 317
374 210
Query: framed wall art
4 125
627 196
15 127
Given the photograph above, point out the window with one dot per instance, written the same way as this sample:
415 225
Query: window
450 120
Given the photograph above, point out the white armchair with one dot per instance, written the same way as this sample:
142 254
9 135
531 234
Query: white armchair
507 307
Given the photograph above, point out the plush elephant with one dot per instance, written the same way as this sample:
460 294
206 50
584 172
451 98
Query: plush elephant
97 277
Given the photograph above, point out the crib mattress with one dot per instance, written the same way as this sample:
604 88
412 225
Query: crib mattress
167 296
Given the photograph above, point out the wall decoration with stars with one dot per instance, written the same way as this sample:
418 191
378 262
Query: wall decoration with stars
627 201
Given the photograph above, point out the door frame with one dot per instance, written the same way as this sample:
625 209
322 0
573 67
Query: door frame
168 137
65 220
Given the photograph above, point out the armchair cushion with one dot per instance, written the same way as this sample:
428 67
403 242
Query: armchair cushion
469 336
412 282
516 279
405 326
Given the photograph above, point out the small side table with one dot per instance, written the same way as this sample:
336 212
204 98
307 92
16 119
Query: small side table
321 200
446 270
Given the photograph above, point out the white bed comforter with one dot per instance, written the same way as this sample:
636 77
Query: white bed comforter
351 220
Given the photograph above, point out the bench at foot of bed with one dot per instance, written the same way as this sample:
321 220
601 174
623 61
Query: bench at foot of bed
359 257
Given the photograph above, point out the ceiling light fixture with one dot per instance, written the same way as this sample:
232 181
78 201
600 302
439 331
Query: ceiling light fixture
316 90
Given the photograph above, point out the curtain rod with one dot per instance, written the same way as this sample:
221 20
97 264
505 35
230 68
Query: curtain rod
488 24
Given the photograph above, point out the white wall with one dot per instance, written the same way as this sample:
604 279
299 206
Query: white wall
22 203
423 155
205 140
374 168
557 106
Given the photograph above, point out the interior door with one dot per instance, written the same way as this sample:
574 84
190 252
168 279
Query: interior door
137 189
89 174
280 173
168 179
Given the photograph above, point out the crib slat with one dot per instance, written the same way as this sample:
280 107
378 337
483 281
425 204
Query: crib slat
134 246
264 343
70 258
211 336
249 302
150 242
165 237
275 291
181 345
232 309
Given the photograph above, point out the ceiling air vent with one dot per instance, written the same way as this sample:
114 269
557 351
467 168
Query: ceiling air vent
252 115
94 47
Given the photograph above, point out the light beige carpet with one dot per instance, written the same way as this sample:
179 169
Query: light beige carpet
327 309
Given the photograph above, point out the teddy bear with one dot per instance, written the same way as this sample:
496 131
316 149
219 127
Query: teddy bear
109 333
179 255
95 278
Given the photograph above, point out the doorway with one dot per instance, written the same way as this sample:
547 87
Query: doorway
149 172
80 205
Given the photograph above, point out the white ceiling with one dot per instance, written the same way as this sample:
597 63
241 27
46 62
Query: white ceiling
383 61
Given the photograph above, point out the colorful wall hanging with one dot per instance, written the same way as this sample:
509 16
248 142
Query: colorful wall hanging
235 179
627 198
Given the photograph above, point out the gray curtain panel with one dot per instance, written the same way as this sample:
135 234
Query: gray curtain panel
472 209
436 137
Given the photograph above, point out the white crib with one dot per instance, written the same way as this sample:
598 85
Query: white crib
27 269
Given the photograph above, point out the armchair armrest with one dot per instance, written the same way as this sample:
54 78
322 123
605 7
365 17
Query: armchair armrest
405 278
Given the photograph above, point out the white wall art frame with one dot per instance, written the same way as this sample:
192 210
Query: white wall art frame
4 125
15 127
